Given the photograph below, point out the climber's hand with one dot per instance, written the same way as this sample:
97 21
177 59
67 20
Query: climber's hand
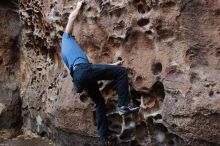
120 62
75 12
79 4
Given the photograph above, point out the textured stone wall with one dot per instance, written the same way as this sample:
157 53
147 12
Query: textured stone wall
171 48
10 101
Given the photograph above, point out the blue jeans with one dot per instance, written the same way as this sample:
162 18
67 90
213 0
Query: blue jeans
86 76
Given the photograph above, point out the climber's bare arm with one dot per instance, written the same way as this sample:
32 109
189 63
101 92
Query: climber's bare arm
72 17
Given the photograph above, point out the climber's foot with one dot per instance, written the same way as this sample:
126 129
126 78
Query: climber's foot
124 110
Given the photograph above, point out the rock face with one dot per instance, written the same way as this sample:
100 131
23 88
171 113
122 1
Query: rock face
10 101
192 104
170 47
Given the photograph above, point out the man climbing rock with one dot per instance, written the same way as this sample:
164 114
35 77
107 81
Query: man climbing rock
85 76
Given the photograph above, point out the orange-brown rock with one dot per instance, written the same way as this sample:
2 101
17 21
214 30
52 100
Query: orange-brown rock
170 47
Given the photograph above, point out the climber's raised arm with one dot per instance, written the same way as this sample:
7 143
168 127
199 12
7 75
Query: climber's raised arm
72 17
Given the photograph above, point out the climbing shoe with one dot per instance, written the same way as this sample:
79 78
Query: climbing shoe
124 110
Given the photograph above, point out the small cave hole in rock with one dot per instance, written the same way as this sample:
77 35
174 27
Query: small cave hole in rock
158 116
110 106
149 32
39 69
161 127
173 125
83 98
128 120
141 132
217 54
194 78
136 96
1 60
119 59
156 68
115 123
43 134
127 134
217 12
143 21
136 1
157 90
139 80
141 9
100 84
171 142
211 93
150 120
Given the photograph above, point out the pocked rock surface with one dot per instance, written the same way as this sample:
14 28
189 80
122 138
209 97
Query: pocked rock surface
170 47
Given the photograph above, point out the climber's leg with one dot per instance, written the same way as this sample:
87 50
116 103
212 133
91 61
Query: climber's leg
98 72
93 91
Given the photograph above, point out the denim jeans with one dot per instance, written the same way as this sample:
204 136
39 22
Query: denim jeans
86 76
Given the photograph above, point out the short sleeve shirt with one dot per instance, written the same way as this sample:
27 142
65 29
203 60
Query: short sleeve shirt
72 53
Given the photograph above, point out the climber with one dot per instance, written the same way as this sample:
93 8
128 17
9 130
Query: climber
85 76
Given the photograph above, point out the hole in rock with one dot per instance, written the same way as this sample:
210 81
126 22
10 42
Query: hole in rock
161 127
217 54
171 142
173 125
136 1
136 96
127 134
156 68
143 21
110 106
141 9
211 93
47 33
128 120
39 69
65 73
100 84
217 12
149 32
43 134
1 60
194 78
119 59
138 79
115 123
83 98
141 132
158 116
157 90
173 139
150 120
117 12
